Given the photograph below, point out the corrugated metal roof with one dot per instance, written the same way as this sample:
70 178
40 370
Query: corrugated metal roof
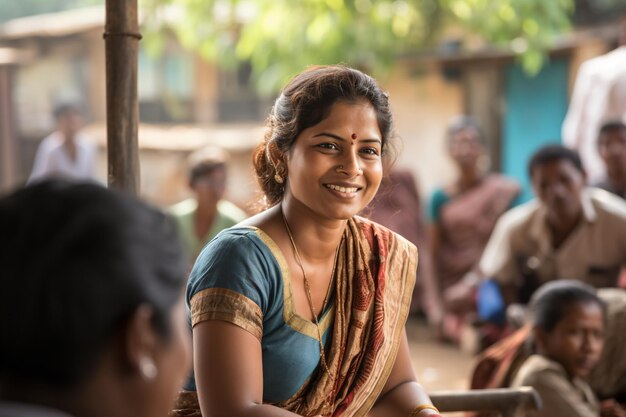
57 24
234 138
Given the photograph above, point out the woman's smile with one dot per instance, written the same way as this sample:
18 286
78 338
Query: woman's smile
327 157
344 190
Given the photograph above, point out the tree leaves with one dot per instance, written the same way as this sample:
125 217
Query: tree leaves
281 37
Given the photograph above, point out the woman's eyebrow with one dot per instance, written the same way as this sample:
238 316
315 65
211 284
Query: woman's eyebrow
332 135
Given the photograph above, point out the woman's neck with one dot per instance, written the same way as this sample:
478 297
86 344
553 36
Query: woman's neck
469 178
316 239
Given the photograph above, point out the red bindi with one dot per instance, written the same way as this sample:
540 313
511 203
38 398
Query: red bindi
353 136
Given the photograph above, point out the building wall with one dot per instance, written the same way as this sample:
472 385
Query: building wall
423 103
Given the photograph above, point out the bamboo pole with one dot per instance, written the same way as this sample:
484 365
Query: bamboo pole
8 144
122 37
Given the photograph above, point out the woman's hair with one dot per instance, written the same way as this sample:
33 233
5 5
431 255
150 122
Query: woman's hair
306 101
462 122
551 302
77 260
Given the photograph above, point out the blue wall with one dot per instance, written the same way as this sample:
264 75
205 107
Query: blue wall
534 112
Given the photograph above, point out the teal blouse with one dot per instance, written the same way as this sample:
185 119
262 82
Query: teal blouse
242 277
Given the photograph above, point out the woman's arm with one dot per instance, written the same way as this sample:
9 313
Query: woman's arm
229 372
401 394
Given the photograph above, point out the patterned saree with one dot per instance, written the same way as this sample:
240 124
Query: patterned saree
374 278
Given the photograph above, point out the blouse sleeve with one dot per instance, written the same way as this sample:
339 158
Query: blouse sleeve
437 200
230 282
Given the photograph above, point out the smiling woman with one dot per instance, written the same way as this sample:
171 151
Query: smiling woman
300 310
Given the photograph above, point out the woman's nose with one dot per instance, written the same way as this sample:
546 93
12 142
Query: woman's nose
350 165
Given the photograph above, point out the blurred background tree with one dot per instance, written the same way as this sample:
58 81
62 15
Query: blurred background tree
280 37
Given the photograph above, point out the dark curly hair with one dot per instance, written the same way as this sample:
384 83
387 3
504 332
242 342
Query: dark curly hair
306 101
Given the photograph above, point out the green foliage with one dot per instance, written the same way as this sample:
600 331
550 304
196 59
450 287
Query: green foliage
281 37
11 9
528 27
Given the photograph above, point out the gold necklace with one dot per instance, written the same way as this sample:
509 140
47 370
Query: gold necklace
307 290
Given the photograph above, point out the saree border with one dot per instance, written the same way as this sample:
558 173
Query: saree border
227 305
400 320
290 316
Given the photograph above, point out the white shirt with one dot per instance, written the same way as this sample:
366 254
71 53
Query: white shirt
599 96
52 159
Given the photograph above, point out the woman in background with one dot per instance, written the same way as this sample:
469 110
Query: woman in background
463 215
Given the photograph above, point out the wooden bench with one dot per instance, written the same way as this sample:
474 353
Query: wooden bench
507 401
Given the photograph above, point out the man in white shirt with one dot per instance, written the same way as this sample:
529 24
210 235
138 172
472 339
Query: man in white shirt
599 95
65 152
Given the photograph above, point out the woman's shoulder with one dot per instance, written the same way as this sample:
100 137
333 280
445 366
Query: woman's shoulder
236 239
239 253
438 199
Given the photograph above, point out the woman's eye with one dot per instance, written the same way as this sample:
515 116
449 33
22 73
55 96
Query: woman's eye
370 151
330 146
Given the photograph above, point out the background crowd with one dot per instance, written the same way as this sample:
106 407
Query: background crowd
535 288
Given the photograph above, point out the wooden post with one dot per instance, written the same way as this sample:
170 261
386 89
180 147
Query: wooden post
9 152
122 44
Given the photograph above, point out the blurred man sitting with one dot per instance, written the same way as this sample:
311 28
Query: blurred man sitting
569 230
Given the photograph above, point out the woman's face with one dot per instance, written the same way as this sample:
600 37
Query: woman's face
576 341
334 168
173 362
465 147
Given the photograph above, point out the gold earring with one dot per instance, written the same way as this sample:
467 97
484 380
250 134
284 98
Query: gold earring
278 178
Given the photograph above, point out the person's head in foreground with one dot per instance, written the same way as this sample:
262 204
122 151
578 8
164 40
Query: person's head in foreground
322 116
558 179
92 321
568 320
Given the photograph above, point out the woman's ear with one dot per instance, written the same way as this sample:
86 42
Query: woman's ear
141 342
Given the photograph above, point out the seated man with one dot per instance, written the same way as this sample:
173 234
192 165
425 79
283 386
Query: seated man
612 149
569 230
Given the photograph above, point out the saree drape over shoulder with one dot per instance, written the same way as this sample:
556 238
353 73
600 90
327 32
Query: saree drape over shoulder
362 326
